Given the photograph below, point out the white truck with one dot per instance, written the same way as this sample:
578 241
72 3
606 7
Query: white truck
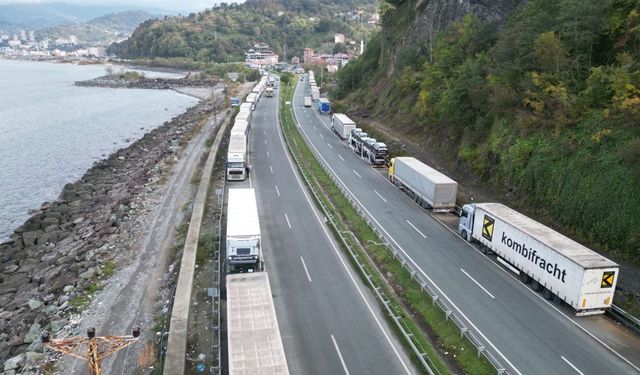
237 158
554 264
253 99
244 114
243 232
307 101
315 93
269 92
427 186
245 105
253 337
342 125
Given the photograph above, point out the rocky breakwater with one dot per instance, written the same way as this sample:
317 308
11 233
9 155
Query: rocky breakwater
52 263
137 81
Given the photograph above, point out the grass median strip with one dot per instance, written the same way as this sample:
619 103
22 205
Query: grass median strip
413 307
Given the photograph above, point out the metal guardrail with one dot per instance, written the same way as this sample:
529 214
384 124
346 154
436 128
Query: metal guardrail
625 318
379 292
215 305
426 285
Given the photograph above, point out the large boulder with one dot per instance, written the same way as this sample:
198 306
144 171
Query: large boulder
34 333
14 363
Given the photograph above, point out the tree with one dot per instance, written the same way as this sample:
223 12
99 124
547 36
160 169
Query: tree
339 48
550 52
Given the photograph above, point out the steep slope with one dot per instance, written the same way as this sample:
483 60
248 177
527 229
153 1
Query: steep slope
224 33
540 99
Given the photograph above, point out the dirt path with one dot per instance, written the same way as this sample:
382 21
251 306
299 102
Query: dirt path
131 297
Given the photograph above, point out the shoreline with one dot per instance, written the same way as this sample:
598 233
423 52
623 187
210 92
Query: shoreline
60 251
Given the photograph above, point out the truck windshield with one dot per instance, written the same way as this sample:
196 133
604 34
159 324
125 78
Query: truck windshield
243 251
235 164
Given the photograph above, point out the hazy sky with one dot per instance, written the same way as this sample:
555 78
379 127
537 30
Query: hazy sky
177 5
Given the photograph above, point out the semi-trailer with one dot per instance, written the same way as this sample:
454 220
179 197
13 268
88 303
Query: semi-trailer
556 265
315 93
254 344
427 186
324 106
237 158
342 125
374 153
244 114
368 149
243 232
253 99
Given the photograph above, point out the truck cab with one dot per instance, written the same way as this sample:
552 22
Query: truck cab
244 254
465 224
236 168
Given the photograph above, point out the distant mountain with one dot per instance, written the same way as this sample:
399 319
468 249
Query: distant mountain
99 31
40 16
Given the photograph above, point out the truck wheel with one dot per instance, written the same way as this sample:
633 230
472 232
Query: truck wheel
484 249
464 235
536 286
524 278
547 294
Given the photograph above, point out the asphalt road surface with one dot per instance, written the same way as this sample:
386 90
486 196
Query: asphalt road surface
329 321
528 334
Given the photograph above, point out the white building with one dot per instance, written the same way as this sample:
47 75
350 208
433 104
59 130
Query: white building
338 38
260 55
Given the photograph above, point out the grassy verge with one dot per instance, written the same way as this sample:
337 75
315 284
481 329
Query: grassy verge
415 309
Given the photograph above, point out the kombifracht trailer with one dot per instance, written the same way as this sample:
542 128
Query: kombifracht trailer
555 264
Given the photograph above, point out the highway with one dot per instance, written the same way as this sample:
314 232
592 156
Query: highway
528 334
329 322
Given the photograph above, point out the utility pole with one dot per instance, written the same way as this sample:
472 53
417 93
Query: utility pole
91 348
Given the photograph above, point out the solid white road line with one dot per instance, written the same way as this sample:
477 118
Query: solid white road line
381 197
288 222
416 229
572 366
277 190
271 169
329 145
305 268
339 253
354 171
340 156
408 257
477 283
344 365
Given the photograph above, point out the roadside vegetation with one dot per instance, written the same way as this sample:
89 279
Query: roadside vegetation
224 33
544 108
416 310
